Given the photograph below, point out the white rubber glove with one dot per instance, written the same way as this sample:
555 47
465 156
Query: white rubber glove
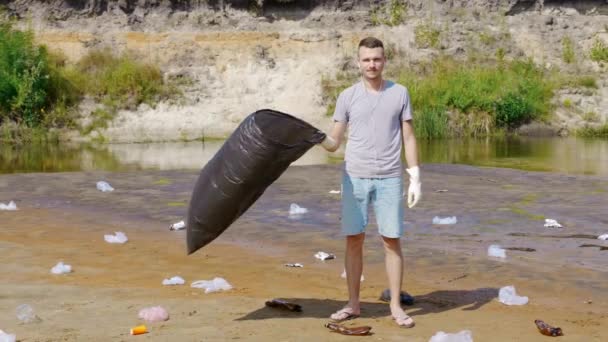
414 192
329 143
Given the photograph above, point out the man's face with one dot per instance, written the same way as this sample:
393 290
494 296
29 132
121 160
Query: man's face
371 62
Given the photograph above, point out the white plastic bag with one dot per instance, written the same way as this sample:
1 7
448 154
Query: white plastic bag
603 237
120 237
496 251
104 186
153 314
178 225
61 268
324 256
217 284
295 210
4 337
176 280
463 336
11 206
508 296
551 223
444 220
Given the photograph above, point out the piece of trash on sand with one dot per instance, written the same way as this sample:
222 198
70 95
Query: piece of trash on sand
551 223
11 206
177 280
153 314
296 210
441 190
25 313
61 268
5 337
351 331
508 296
178 225
548 330
138 330
496 251
297 264
343 275
405 298
104 186
334 191
282 304
324 256
603 237
214 285
120 237
444 220
462 336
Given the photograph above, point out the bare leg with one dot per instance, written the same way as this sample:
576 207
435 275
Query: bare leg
353 264
394 271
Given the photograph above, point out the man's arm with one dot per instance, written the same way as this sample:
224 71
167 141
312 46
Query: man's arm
414 191
334 137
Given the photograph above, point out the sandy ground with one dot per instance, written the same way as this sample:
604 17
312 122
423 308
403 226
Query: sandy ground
62 217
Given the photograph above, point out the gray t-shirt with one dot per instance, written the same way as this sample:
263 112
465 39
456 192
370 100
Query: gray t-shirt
373 149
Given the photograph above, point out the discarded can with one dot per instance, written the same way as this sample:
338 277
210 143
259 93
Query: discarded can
138 330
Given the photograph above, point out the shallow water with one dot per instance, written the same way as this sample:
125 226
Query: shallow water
562 155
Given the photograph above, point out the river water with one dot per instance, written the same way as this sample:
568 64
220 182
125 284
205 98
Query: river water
561 155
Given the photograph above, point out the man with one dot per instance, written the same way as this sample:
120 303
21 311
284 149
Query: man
378 115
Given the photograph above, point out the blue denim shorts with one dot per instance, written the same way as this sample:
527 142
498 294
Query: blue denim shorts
386 197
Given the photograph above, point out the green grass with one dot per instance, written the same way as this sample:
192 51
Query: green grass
599 51
391 13
593 132
427 36
568 55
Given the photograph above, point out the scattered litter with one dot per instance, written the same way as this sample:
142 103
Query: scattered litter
10 206
61 268
463 336
441 190
120 237
349 331
178 225
496 251
285 305
324 256
214 285
294 265
603 237
295 210
551 223
4 337
521 249
404 297
104 186
334 191
25 314
548 330
153 314
174 281
343 275
508 296
445 220
138 330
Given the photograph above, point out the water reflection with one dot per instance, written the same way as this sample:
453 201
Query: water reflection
565 155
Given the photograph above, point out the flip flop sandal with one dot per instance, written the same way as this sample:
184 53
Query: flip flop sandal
343 315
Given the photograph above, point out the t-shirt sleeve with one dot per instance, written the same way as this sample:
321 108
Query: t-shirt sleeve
341 111
406 111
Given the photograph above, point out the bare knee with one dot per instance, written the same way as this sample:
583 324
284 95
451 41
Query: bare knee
392 244
355 241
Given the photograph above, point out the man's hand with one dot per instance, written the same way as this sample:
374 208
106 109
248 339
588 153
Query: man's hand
414 192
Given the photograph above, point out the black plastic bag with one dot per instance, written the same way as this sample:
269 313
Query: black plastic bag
253 157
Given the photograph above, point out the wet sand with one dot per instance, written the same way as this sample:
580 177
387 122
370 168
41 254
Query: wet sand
62 217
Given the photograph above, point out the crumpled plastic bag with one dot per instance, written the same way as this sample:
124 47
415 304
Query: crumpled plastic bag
153 314
104 186
178 225
296 211
496 251
217 284
463 336
508 296
61 268
324 256
603 237
11 206
4 337
551 223
445 220
120 237
177 280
